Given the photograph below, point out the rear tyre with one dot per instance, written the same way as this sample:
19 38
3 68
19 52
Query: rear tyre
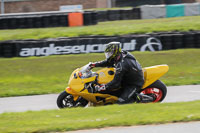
66 100
157 90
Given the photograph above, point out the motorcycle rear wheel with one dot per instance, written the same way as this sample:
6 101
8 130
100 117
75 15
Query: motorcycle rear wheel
157 90
66 100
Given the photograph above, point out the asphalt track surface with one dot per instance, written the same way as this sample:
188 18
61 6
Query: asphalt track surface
190 127
46 102
175 94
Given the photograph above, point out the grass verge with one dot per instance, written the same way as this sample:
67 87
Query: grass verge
107 28
42 75
98 117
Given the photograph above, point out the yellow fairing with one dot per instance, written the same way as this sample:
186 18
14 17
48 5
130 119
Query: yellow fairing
153 73
78 83
76 86
92 96
104 76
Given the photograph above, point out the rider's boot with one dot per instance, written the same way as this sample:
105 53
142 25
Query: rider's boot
142 98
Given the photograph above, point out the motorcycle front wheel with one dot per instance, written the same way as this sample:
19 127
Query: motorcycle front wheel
66 100
157 90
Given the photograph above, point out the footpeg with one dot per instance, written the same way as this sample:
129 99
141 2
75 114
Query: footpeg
145 98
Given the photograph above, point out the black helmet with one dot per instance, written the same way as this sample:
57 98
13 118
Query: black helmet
112 50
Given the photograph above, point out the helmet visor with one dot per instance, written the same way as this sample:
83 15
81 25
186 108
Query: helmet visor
108 54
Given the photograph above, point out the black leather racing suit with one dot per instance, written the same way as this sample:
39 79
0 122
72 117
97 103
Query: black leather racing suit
128 76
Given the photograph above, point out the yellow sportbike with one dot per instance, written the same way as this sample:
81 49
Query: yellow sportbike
82 82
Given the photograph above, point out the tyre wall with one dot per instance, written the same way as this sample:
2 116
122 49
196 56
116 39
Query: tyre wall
61 19
96 44
43 20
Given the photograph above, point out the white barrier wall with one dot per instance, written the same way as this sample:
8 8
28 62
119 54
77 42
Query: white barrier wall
192 9
153 11
163 11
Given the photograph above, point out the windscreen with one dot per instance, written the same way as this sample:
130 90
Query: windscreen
85 72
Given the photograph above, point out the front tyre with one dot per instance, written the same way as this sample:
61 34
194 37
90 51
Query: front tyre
157 90
66 100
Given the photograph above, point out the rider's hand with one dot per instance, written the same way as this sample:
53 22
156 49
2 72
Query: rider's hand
91 65
100 88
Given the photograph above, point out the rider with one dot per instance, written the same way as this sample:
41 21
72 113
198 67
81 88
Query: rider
128 75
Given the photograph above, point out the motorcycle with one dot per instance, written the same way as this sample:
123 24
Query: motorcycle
81 87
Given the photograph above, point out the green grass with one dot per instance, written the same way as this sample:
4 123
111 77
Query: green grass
98 117
107 28
42 75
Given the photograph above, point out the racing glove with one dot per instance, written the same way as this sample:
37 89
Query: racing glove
91 65
100 88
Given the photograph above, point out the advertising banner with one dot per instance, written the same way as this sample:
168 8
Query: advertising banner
96 44
88 45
